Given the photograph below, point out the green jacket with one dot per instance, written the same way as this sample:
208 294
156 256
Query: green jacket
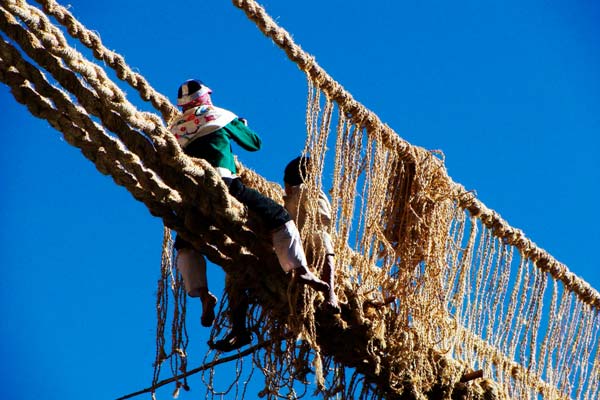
216 146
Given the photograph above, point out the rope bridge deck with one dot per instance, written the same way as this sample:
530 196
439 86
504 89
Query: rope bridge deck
469 289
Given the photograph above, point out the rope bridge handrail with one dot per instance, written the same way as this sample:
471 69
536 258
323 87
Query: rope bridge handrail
362 116
408 232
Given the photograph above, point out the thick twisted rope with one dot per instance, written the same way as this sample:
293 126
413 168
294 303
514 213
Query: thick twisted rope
214 203
357 113
360 115
179 171
152 139
122 165
114 60
112 98
161 201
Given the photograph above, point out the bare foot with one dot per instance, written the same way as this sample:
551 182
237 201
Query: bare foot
331 303
208 310
308 278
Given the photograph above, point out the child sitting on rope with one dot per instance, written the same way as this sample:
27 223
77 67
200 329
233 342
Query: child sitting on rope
297 204
205 131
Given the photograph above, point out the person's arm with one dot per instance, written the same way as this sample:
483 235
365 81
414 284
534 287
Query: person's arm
244 136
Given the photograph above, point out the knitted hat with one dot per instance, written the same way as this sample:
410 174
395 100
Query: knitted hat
295 171
191 90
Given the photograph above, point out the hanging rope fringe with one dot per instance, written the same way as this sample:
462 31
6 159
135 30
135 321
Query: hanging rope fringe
170 281
422 204
363 117
434 284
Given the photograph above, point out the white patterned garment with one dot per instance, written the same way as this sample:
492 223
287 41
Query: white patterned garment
200 121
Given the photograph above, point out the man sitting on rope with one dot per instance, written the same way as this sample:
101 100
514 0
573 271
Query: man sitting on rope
297 204
205 131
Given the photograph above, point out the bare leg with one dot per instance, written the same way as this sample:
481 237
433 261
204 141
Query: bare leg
209 301
192 267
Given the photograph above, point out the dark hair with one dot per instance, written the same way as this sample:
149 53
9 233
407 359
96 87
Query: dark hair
295 171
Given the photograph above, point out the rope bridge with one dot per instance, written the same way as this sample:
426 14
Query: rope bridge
433 283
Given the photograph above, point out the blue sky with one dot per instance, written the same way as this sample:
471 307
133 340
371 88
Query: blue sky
509 91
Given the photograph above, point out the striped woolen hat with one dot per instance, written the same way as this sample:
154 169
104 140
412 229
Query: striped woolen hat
190 90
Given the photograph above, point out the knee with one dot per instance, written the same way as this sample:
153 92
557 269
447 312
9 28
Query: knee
235 186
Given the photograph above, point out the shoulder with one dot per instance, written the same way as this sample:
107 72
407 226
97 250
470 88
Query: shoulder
223 113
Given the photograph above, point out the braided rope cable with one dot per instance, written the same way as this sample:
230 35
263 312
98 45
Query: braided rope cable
111 97
90 101
56 44
198 188
359 114
108 156
114 60
517 371
161 201
214 202
113 122
43 108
